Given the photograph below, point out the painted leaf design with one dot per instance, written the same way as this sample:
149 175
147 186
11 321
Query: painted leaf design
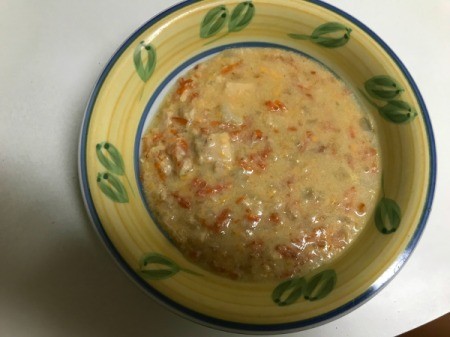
288 292
331 35
111 186
383 87
144 60
241 16
155 266
387 216
110 158
321 285
213 21
398 112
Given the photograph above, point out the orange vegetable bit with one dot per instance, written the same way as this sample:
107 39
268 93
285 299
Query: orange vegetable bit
275 106
275 218
179 120
257 135
160 171
203 189
222 221
184 85
183 202
253 218
230 67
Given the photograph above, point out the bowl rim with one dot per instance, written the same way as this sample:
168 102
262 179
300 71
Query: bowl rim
248 328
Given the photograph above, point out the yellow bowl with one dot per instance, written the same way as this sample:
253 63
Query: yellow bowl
127 96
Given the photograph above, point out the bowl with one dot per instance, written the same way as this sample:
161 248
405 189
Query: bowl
127 96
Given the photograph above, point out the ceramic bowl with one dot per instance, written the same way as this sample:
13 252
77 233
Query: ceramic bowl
127 96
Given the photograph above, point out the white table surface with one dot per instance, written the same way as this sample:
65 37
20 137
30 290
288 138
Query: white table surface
57 279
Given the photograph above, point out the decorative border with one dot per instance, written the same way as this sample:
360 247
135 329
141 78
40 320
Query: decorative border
380 283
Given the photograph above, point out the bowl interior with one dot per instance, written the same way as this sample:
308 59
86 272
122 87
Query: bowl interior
128 95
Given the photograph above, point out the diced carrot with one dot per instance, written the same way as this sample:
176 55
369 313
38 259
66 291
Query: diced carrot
157 137
289 252
230 67
361 208
182 143
275 106
183 202
215 124
252 217
183 85
202 189
180 120
292 128
257 135
274 217
240 199
160 171
222 220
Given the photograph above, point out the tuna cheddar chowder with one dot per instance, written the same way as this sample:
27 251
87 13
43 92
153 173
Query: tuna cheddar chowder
261 165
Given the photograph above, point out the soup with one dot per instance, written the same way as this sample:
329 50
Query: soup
261 165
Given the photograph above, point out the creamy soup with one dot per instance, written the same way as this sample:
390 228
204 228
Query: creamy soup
261 165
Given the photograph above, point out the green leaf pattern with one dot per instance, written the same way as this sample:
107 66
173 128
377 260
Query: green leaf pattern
383 87
144 60
213 22
329 35
321 285
108 182
217 17
155 266
318 287
387 89
387 216
241 16
110 158
111 186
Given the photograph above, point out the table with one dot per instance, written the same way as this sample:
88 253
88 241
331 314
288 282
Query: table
56 278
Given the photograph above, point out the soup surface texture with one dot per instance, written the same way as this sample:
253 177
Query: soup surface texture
260 165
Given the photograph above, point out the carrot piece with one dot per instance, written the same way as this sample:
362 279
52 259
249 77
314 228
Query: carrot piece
275 105
252 217
183 202
230 67
157 137
160 171
257 135
240 199
286 251
292 128
361 208
180 120
222 220
183 85
274 217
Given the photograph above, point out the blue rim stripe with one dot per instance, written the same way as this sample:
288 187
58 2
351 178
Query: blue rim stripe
243 327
